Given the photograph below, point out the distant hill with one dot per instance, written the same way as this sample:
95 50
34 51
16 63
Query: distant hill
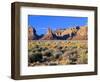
74 33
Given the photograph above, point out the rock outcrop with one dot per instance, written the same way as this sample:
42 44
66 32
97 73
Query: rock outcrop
75 33
82 34
48 35
32 33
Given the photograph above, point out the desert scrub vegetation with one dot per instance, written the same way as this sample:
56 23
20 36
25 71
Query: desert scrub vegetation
57 52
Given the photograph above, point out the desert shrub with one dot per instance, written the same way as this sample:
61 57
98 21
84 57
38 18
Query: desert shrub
66 54
57 54
66 46
36 46
82 58
33 51
63 50
43 49
52 58
73 57
35 57
39 49
60 47
72 47
47 53
29 50
45 58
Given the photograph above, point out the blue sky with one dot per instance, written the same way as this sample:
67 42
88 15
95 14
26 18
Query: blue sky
42 22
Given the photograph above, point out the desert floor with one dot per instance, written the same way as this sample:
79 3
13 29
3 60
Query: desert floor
57 52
